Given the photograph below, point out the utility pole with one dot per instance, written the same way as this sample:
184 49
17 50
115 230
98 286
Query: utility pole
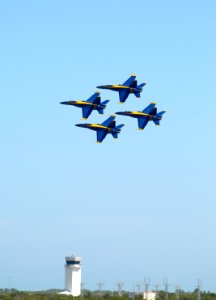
100 285
157 290
166 285
199 284
146 283
177 297
119 287
9 283
138 285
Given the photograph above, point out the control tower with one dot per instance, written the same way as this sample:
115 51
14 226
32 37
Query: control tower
73 275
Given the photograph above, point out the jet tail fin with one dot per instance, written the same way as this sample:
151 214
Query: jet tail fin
138 89
102 106
134 84
159 115
117 130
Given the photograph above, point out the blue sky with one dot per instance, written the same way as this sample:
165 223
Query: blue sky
140 206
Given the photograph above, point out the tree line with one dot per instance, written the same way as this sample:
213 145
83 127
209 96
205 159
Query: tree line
13 294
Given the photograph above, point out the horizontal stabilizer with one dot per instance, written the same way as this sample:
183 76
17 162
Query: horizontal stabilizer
105 102
141 85
161 113
100 110
115 135
157 122
137 94
120 126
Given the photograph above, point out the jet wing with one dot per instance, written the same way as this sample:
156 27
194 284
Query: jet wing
86 111
108 121
150 109
129 81
142 122
124 94
101 134
95 98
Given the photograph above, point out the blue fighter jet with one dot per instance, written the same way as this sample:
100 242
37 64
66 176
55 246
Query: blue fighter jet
93 103
108 126
148 114
128 87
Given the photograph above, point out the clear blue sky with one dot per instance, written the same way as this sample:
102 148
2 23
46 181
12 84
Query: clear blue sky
140 206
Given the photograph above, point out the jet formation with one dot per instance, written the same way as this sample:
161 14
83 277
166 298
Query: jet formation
109 125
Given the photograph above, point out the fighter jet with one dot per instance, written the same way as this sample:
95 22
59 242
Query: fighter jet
108 126
148 114
93 103
128 87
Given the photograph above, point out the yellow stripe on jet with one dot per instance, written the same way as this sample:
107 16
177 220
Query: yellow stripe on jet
84 103
98 126
116 86
139 113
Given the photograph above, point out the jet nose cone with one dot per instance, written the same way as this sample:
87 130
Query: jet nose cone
119 113
100 86
67 102
82 125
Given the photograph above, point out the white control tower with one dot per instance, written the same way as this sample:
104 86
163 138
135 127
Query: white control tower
73 275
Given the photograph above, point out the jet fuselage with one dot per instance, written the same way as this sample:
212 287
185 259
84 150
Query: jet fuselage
119 87
80 103
95 127
138 114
